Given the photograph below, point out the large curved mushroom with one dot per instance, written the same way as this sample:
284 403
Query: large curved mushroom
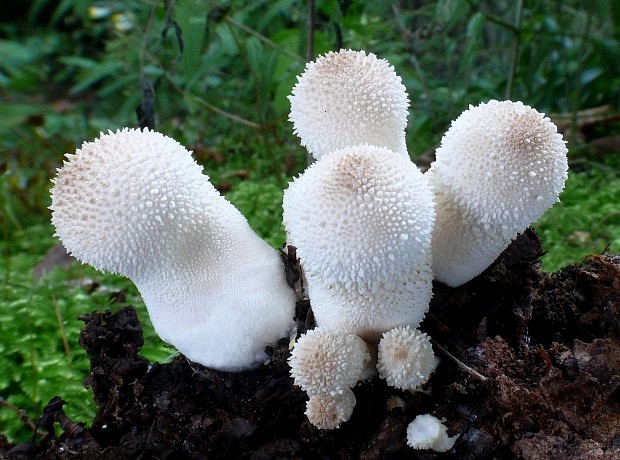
500 166
135 203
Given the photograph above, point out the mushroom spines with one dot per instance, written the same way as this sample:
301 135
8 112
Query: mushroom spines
128 195
502 160
406 359
349 97
359 197
328 412
327 362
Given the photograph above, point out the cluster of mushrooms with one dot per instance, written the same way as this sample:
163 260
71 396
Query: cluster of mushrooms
371 232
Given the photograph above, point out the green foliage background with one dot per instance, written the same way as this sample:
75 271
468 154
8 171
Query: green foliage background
216 75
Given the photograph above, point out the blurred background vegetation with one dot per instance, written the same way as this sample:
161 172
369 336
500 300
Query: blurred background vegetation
215 75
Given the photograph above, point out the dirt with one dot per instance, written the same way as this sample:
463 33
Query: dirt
530 368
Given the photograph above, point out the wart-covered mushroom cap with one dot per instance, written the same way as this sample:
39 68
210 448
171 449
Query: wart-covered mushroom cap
135 203
328 412
406 359
347 98
500 166
361 219
326 362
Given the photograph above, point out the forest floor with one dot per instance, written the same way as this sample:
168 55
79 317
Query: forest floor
530 368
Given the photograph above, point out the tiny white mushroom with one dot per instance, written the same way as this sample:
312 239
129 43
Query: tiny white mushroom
328 362
347 98
427 432
361 219
499 167
135 203
406 359
328 412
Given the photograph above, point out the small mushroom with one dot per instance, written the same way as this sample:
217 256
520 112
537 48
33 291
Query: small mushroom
500 166
328 412
361 219
427 432
406 359
135 203
347 98
326 362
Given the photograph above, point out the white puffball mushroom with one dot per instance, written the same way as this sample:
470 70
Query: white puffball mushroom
328 412
406 359
325 361
500 166
135 203
361 219
427 432
347 98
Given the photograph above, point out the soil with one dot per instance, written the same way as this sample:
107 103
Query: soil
530 369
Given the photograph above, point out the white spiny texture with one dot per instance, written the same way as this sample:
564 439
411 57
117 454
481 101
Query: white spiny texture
346 98
427 432
135 203
406 359
328 362
500 166
361 219
328 412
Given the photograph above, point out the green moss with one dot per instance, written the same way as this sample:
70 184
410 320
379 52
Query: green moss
586 221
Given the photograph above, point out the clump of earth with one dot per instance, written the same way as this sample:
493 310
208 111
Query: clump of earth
530 368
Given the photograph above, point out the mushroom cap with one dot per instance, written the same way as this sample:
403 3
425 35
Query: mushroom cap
361 219
500 166
136 203
131 195
328 412
427 432
346 98
406 359
360 215
327 362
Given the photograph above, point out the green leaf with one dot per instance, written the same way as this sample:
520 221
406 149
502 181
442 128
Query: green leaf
589 75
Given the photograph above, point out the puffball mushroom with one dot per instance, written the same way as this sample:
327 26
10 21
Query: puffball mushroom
427 432
347 98
361 219
500 166
135 203
328 412
406 359
326 362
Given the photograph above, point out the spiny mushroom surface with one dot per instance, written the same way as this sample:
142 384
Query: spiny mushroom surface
499 167
328 412
406 359
346 98
361 219
135 203
326 362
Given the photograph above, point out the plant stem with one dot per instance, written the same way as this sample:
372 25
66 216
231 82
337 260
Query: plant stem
310 32
514 56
